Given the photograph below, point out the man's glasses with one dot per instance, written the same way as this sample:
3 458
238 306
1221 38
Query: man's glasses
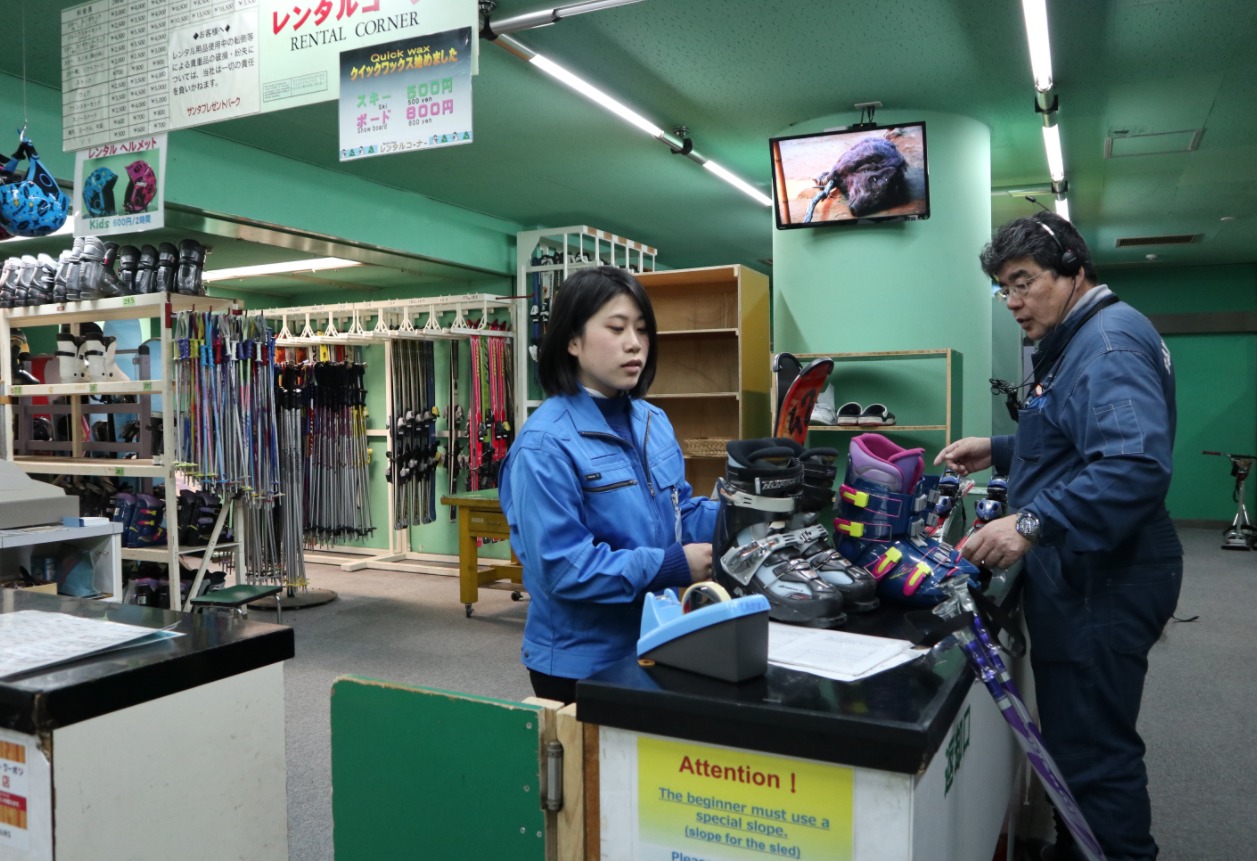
1018 290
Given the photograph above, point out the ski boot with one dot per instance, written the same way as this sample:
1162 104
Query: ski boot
754 550
43 281
167 261
146 528
69 366
882 519
7 291
145 271
857 586
28 266
191 263
125 506
102 361
128 268
73 269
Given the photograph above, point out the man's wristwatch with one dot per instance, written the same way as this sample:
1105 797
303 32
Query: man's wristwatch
1028 526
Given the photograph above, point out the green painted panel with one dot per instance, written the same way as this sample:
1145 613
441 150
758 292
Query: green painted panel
423 773
1191 290
1217 411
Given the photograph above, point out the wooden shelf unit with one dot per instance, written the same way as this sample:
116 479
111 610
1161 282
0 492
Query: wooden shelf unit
713 376
949 417
159 306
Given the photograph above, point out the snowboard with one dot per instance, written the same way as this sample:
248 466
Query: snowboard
798 388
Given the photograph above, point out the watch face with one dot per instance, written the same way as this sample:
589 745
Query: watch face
1028 525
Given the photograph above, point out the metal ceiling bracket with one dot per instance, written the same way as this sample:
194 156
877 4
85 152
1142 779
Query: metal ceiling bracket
544 17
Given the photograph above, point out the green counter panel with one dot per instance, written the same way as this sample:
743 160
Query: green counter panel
424 773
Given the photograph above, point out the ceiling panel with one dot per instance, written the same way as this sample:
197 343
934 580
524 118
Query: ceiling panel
737 72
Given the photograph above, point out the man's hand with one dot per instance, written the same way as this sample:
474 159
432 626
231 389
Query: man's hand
971 454
699 558
998 544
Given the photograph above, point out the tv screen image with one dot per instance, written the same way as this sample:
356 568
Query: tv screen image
850 176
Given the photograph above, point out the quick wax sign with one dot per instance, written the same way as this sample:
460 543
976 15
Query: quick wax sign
701 803
301 41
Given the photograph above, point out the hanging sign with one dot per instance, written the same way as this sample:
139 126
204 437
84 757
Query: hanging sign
131 68
402 96
301 40
120 187
213 69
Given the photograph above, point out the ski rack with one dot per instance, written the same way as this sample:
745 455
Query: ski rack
385 323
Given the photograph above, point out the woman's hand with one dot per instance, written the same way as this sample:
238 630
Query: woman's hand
699 558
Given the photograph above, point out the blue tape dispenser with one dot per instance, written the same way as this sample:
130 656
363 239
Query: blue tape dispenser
705 631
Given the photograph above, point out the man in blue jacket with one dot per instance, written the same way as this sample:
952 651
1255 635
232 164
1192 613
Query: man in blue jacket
1088 471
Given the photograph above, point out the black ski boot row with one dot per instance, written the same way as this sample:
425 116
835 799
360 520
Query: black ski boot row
768 541
96 269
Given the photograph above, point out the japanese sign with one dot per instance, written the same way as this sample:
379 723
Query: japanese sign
14 795
115 64
131 68
406 95
721 804
302 40
214 70
120 187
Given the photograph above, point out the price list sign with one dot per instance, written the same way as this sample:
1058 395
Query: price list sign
116 65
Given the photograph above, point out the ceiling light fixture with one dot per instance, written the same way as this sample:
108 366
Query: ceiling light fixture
1035 12
1062 207
314 264
1052 145
678 145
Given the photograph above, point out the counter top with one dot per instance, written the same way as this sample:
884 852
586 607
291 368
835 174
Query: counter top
893 721
213 647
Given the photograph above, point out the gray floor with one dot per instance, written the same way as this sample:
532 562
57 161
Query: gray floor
411 629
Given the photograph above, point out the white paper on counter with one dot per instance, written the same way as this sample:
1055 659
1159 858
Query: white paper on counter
837 655
30 639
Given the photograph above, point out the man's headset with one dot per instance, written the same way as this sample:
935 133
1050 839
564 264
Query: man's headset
1068 262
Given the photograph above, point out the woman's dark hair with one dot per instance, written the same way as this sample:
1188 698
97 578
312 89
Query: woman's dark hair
576 300
1046 238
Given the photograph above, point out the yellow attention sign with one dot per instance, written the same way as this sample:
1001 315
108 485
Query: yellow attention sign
700 803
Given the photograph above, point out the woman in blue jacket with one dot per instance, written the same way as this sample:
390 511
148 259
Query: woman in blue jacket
594 487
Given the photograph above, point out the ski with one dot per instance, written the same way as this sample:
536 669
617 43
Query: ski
453 416
979 647
794 406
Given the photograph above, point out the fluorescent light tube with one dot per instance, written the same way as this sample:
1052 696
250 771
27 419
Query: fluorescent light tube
314 264
1062 208
1035 12
1052 145
594 94
740 184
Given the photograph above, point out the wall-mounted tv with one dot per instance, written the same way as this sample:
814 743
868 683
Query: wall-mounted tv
851 176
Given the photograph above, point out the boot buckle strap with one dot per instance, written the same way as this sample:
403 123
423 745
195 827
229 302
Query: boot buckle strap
858 498
742 562
743 499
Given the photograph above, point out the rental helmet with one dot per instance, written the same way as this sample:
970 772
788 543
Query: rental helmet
141 187
35 206
98 192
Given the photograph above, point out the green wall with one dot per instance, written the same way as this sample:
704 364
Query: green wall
1216 376
899 286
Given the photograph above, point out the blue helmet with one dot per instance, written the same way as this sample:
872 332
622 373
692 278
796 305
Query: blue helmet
35 206
98 192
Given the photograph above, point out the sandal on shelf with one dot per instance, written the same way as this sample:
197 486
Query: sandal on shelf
849 413
876 415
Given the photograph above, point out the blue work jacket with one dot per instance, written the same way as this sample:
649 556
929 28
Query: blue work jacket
1093 450
590 518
